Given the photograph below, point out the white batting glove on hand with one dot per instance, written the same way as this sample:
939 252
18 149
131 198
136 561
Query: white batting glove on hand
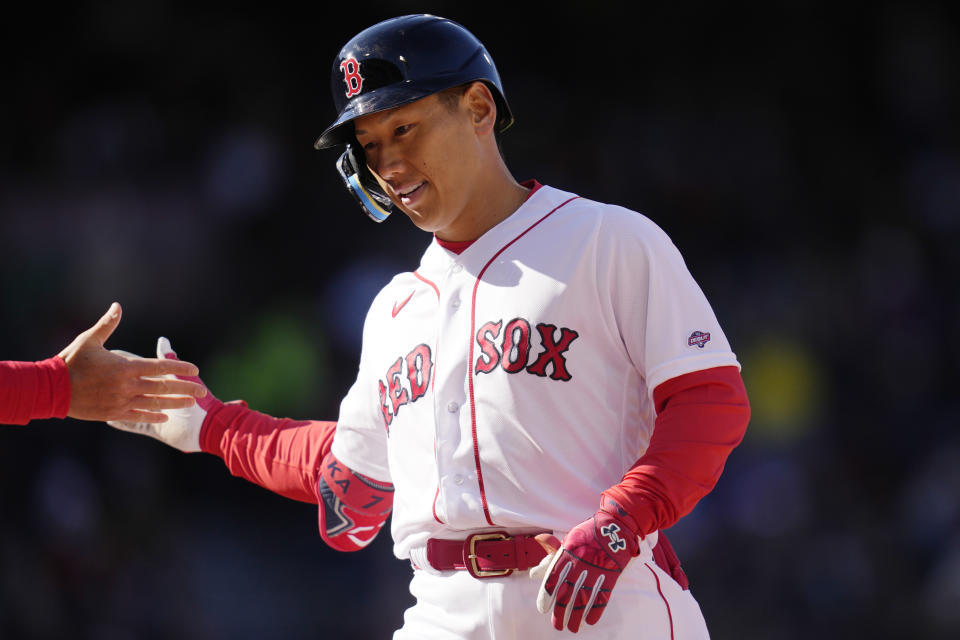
182 428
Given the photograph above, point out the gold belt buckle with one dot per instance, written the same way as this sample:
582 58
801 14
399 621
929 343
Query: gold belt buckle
472 567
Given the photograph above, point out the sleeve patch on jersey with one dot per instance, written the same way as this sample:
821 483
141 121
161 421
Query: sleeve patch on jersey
698 339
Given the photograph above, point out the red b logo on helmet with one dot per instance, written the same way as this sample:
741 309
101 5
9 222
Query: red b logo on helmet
351 76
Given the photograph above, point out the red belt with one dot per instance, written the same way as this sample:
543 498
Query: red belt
486 555
495 554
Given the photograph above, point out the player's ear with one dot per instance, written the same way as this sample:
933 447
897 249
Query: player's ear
481 107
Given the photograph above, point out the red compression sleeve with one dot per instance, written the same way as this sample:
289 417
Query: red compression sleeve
701 417
34 390
279 454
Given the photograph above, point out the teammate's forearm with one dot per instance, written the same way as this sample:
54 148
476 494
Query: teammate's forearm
279 454
702 417
33 390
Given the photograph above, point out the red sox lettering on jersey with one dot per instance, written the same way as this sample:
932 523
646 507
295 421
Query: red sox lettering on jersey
407 379
514 351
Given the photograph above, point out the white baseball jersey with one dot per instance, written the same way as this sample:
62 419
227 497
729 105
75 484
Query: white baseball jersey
509 385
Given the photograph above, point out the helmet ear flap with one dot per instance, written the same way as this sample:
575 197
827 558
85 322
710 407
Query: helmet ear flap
352 167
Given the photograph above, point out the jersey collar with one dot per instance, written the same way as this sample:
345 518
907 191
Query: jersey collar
541 200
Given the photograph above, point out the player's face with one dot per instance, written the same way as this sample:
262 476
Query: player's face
423 155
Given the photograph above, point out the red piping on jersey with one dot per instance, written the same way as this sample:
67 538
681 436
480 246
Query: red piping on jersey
663 597
473 329
436 347
420 277
435 496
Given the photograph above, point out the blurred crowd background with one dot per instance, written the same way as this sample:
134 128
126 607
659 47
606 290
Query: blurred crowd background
805 158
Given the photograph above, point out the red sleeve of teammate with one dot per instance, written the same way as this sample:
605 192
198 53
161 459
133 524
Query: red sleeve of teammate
701 417
33 390
293 458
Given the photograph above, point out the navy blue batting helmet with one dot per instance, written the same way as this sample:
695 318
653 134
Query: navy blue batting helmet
401 60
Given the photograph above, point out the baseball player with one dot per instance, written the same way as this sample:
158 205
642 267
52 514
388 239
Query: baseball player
87 382
541 397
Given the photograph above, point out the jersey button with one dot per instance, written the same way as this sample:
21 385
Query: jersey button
458 479
457 268
453 407
455 303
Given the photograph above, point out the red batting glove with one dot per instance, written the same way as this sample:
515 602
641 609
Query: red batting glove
586 567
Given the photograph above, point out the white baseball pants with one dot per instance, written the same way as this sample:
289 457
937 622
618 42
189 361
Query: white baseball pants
646 604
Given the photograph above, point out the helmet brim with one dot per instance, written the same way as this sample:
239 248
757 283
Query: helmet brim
340 132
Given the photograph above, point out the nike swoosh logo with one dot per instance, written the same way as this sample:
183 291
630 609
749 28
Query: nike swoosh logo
396 307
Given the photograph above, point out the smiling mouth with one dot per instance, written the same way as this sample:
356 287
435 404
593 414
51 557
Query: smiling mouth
411 195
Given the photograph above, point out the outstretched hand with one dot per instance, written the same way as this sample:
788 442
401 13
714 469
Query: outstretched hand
105 385
182 429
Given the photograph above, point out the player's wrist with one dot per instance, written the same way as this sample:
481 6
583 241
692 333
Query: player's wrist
218 419
59 382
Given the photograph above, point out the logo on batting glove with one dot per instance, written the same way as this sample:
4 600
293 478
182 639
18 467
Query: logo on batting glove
616 542
584 571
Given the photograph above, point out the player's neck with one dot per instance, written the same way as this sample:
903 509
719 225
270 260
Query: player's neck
494 197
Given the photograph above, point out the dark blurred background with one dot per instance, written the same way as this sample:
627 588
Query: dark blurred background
805 157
